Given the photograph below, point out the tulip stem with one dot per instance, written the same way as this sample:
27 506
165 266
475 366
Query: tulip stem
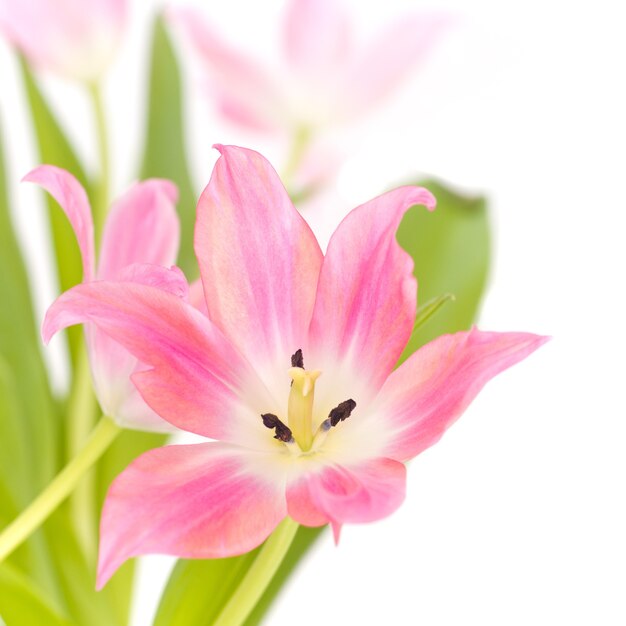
101 192
258 577
81 415
49 499
299 146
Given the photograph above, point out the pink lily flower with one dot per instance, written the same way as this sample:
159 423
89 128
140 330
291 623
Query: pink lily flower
141 234
325 79
74 38
291 370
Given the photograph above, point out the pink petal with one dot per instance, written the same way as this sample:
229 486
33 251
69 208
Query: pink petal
202 501
74 38
316 35
71 196
112 365
245 92
428 392
366 297
170 279
199 382
388 60
259 260
142 227
196 296
363 493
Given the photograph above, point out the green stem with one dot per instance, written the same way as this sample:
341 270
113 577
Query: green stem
80 420
258 576
60 487
299 145
101 192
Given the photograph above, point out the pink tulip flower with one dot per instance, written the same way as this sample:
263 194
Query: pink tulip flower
141 234
325 78
291 370
74 38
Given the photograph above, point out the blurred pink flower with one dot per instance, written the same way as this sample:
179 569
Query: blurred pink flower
141 235
74 38
325 78
321 445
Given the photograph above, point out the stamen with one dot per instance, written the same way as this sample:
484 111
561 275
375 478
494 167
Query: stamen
341 412
283 433
297 360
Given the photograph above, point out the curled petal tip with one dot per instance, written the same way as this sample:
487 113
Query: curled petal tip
425 197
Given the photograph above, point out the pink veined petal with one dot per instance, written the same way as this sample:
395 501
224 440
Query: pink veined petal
202 501
366 296
169 279
71 196
199 382
428 392
245 92
365 492
388 60
258 258
112 365
196 296
142 227
316 35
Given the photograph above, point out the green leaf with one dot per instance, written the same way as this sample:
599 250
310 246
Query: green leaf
77 577
450 249
428 310
55 149
164 153
22 603
197 590
29 424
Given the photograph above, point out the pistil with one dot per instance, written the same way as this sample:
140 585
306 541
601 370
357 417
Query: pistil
300 405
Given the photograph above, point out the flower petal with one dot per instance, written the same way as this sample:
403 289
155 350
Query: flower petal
142 227
381 66
112 365
74 38
366 297
245 93
258 258
71 196
199 382
202 501
316 35
428 392
334 493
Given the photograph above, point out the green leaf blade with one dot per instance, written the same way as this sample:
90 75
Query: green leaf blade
164 152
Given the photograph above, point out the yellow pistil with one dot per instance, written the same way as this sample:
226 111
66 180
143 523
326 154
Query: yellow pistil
300 406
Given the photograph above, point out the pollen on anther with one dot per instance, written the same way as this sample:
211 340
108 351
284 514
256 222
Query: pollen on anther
297 360
283 433
341 412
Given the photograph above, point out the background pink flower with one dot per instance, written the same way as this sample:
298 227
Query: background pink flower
74 38
140 240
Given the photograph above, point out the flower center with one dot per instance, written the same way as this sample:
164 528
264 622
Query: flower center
300 410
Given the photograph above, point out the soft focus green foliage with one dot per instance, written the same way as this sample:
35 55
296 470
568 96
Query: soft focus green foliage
164 153
22 604
450 248
55 149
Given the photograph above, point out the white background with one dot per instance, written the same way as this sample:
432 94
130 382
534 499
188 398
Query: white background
517 516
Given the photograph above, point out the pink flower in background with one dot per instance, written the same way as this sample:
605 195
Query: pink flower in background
74 38
325 77
292 371
141 235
